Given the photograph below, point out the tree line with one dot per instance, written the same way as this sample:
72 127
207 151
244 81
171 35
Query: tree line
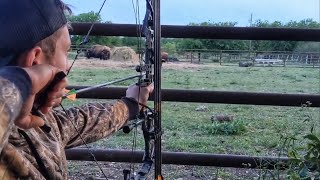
173 45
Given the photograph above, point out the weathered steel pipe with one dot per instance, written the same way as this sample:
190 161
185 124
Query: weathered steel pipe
181 158
201 96
203 32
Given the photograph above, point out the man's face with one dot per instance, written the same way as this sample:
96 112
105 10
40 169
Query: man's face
60 57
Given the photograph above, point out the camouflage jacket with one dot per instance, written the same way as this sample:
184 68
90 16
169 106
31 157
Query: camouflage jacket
93 121
15 86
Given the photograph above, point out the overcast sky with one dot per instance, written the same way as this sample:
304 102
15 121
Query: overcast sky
181 12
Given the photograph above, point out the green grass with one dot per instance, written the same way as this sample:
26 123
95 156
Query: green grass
256 130
262 79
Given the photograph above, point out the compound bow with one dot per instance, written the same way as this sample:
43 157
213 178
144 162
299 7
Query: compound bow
150 72
150 119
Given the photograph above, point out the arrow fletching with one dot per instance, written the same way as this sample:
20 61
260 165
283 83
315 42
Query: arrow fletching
71 94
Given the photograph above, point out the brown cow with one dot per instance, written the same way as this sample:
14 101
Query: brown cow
99 51
164 56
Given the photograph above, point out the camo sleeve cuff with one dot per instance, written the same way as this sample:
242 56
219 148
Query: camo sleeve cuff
132 106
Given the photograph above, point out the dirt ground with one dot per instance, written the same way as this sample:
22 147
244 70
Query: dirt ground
114 171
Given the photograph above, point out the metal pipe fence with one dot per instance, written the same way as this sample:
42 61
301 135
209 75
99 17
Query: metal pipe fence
201 32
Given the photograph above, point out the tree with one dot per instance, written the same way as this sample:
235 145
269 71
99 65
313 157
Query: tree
307 23
221 44
169 47
190 44
85 17
173 45
92 17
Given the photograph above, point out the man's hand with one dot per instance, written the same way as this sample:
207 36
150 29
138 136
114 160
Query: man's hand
41 76
142 96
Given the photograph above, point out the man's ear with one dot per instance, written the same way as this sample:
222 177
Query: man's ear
31 57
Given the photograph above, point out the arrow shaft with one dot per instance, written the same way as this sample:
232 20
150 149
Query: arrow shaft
104 84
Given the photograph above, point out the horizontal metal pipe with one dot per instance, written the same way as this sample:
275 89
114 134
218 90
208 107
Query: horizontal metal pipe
201 96
180 158
202 32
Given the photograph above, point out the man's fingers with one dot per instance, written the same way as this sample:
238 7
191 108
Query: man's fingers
151 87
45 109
47 73
57 102
59 87
50 104
54 97
29 122
36 121
46 80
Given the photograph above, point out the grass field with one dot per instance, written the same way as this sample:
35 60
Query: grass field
256 130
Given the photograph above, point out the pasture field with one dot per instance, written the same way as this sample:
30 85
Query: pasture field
255 130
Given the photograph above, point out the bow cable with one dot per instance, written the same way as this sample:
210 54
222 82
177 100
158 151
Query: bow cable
85 40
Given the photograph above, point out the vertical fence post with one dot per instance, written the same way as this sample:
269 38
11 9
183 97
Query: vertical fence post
191 55
220 59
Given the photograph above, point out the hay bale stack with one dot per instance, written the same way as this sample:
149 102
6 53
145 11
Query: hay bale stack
124 54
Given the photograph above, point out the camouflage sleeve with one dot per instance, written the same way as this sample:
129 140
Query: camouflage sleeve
15 86
93 121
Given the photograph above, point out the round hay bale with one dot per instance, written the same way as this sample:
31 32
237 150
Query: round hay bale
124 54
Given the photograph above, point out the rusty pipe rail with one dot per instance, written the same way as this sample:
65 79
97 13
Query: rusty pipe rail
203 32
181 158
201 96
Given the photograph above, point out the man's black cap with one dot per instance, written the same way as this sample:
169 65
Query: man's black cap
26 22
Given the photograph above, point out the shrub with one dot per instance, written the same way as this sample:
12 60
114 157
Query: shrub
306 164
235 127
